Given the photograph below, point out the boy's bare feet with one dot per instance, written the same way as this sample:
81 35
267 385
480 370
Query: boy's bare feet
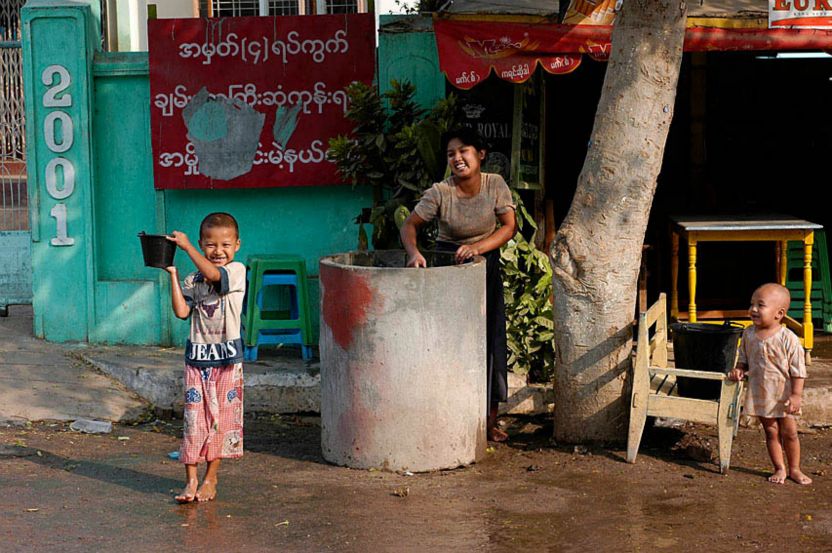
778 477
797 476
188 494
207 491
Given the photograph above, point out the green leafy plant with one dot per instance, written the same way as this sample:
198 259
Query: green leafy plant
396 151
527 281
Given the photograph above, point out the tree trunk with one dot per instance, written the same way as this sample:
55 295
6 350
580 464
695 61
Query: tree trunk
596 253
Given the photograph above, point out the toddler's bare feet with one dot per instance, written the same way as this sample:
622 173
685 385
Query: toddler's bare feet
798 476
188 494
778 477
207 491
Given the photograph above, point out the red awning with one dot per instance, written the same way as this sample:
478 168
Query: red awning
470 49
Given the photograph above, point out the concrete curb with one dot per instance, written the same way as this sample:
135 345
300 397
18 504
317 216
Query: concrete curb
286 386
161 388
279 386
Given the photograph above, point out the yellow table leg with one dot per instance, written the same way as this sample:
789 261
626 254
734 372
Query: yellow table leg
808 327
674 276
783 264
692 279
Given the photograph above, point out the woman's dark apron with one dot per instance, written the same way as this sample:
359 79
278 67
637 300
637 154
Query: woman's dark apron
495 317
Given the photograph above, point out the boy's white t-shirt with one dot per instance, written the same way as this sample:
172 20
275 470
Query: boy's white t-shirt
216 311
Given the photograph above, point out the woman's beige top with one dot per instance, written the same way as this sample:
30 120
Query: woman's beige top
465 220
772 363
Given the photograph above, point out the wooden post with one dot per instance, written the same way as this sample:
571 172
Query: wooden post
692 278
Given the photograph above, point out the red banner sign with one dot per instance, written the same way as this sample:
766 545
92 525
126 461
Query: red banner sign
251 102
470 49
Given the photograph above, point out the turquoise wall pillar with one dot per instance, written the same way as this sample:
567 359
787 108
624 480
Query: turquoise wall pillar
407 52
59 40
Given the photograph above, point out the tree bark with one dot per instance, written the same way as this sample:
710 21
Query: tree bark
597 252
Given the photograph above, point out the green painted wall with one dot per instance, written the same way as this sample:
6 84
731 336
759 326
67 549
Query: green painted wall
129 307
98 289
307 221
407 52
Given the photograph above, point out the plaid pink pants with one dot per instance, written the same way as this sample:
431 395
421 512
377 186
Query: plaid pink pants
213 421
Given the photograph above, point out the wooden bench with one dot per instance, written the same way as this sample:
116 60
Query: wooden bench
654 386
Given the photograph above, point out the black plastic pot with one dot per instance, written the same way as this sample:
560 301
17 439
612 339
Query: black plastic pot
157 250
704 347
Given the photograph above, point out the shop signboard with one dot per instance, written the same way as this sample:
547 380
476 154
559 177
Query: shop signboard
800 14
472 49
247 102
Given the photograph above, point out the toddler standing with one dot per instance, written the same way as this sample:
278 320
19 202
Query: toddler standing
774 360
213 298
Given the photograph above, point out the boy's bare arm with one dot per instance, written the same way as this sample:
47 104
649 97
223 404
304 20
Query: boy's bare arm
205 267
180 306
796 399
738 372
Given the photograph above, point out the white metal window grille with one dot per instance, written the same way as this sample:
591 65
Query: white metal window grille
284 7
239 8
235 8
341 6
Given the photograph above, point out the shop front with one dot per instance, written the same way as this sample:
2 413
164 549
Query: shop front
745 138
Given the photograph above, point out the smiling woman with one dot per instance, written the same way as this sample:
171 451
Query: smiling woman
468 205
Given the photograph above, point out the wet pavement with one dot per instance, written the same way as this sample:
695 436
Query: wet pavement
64 491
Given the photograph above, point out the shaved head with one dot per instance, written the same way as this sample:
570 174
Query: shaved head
776 293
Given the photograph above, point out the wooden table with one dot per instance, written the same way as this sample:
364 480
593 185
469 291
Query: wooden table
762 228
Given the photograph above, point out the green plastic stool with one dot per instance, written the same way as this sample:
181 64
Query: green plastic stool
261 322
821 293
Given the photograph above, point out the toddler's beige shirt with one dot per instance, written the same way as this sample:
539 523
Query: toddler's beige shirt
465 220
772 363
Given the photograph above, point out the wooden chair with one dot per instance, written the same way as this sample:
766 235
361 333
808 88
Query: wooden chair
654 386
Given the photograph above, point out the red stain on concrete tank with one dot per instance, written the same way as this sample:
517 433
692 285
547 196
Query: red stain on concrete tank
346 302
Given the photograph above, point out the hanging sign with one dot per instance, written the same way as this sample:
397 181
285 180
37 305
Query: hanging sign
245 102
800 14
470 49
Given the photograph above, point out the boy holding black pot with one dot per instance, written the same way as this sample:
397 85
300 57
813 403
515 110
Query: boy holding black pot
212 297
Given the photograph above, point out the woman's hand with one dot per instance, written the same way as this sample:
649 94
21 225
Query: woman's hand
417 260
466 252
180 239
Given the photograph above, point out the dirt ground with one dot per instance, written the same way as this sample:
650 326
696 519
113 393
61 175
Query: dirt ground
64 491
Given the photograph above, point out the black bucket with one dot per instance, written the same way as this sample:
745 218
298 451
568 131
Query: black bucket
704 347
157 250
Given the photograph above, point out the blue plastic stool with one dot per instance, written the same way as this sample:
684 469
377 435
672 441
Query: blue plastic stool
284 331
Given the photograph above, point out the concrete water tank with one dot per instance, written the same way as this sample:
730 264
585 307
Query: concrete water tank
403 361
